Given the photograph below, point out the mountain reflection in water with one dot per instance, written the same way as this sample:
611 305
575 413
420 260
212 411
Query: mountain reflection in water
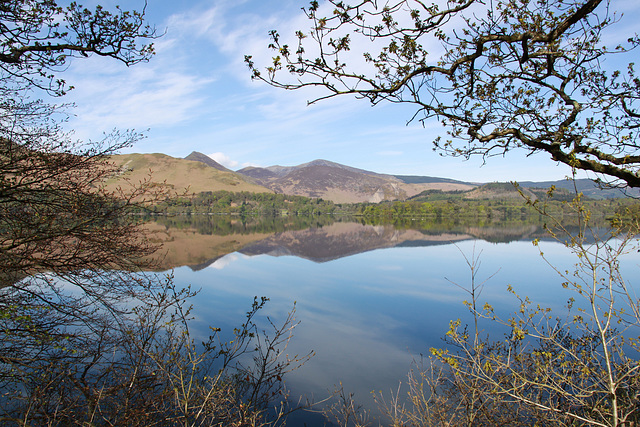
205 239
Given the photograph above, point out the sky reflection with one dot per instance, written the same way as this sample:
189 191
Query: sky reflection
368 316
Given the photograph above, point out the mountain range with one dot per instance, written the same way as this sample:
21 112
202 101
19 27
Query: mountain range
319 178
343 184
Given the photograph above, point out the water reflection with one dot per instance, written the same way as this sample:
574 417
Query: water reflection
371 297
199 241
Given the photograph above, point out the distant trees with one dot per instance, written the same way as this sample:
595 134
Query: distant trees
510 74
246 203
433 204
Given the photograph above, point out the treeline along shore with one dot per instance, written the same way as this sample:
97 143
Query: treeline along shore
433 204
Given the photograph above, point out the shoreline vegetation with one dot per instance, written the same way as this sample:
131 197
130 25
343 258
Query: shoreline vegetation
434 205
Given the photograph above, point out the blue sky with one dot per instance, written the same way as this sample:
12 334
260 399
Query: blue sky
196 95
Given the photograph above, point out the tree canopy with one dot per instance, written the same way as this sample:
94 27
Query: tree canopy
39 37
56 214
500 75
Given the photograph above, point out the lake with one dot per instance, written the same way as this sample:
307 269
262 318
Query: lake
370 298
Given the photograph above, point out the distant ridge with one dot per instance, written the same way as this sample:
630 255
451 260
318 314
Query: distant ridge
257 173
281 171
414 179
203 158
327 163
342 184
585 186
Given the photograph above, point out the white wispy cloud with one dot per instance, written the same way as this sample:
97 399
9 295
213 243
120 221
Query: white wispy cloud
224 160
228 162
160 100
109 95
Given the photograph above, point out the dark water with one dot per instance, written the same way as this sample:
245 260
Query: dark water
371 299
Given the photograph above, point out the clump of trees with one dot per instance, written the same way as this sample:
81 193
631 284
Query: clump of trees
487 210
429 204
86 338
245 203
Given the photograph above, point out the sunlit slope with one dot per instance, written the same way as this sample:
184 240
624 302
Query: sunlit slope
180 174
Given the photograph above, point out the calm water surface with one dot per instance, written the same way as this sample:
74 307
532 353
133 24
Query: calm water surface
370 299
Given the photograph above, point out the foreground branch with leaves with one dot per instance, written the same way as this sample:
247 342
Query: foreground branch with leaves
499 75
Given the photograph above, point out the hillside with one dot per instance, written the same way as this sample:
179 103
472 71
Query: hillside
342 184
412 179
498 190
181 174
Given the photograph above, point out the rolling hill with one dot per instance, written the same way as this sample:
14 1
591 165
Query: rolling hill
182 175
